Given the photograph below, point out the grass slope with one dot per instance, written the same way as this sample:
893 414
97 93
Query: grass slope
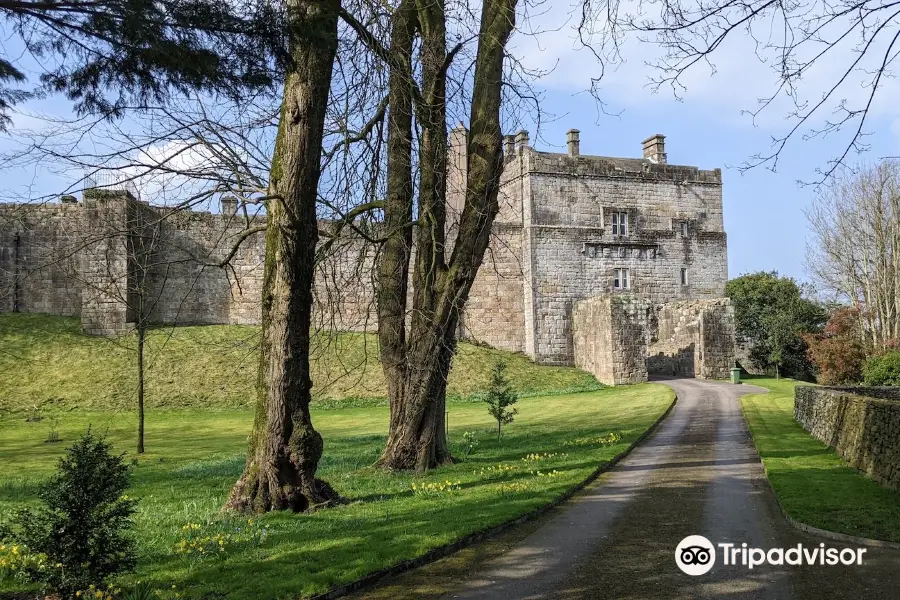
813 484
45 361
194 457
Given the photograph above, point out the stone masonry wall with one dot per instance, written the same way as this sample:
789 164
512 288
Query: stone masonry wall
693 338
863 429
81 259
610 337
39 258
494 313
566 206
551 247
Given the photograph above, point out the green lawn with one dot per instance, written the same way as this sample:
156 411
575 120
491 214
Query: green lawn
812 483
45 361
200 387
194 457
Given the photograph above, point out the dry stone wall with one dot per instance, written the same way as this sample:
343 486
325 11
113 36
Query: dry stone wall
862 425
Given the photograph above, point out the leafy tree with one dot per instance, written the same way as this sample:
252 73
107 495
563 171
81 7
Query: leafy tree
500 397
83 525
104 55
838 352
883 369
772 316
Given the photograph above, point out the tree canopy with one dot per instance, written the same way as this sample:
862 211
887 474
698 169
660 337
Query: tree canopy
104 55
771 317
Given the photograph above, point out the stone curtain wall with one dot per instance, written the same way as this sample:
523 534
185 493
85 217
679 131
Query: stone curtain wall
551 247
82 259
39 258
862 428
610 337
105 258
693 338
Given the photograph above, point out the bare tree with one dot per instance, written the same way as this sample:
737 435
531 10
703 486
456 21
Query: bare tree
858 40
855 250
285 448
417 359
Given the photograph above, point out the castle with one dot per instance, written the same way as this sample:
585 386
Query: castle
617 265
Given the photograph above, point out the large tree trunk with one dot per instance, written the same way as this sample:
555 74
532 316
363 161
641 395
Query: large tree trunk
285 448
393 266
417 438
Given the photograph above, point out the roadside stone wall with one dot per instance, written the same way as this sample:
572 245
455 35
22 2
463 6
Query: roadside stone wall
862 424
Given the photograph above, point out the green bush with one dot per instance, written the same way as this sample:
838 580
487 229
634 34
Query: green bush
500 397
82 527
883 369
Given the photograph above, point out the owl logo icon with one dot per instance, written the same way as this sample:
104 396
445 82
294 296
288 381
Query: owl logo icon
695 555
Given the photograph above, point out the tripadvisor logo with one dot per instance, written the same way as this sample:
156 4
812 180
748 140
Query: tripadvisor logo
696 555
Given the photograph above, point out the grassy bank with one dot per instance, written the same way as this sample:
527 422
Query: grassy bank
46 362
194 457
812 483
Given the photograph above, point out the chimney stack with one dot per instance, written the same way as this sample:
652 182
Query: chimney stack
509 145
573 142
655 149
521 141
229 206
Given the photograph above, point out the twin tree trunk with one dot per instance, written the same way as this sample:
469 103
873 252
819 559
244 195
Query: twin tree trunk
285 448
416 365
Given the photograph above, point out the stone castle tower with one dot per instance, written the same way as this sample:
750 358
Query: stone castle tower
643 237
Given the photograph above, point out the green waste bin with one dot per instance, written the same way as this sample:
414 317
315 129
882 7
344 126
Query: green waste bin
735 375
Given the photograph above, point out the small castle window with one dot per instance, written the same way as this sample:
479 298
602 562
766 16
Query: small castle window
621 279
683 276
684 229
620 223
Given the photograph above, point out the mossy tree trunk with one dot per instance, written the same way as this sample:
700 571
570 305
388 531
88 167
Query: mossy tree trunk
417 365
285 448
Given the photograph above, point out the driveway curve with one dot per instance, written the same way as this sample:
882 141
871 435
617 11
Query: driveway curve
699 473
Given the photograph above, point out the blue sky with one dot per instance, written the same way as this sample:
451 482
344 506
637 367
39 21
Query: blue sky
764 211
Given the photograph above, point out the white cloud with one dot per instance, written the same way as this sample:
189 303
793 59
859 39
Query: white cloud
741 76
